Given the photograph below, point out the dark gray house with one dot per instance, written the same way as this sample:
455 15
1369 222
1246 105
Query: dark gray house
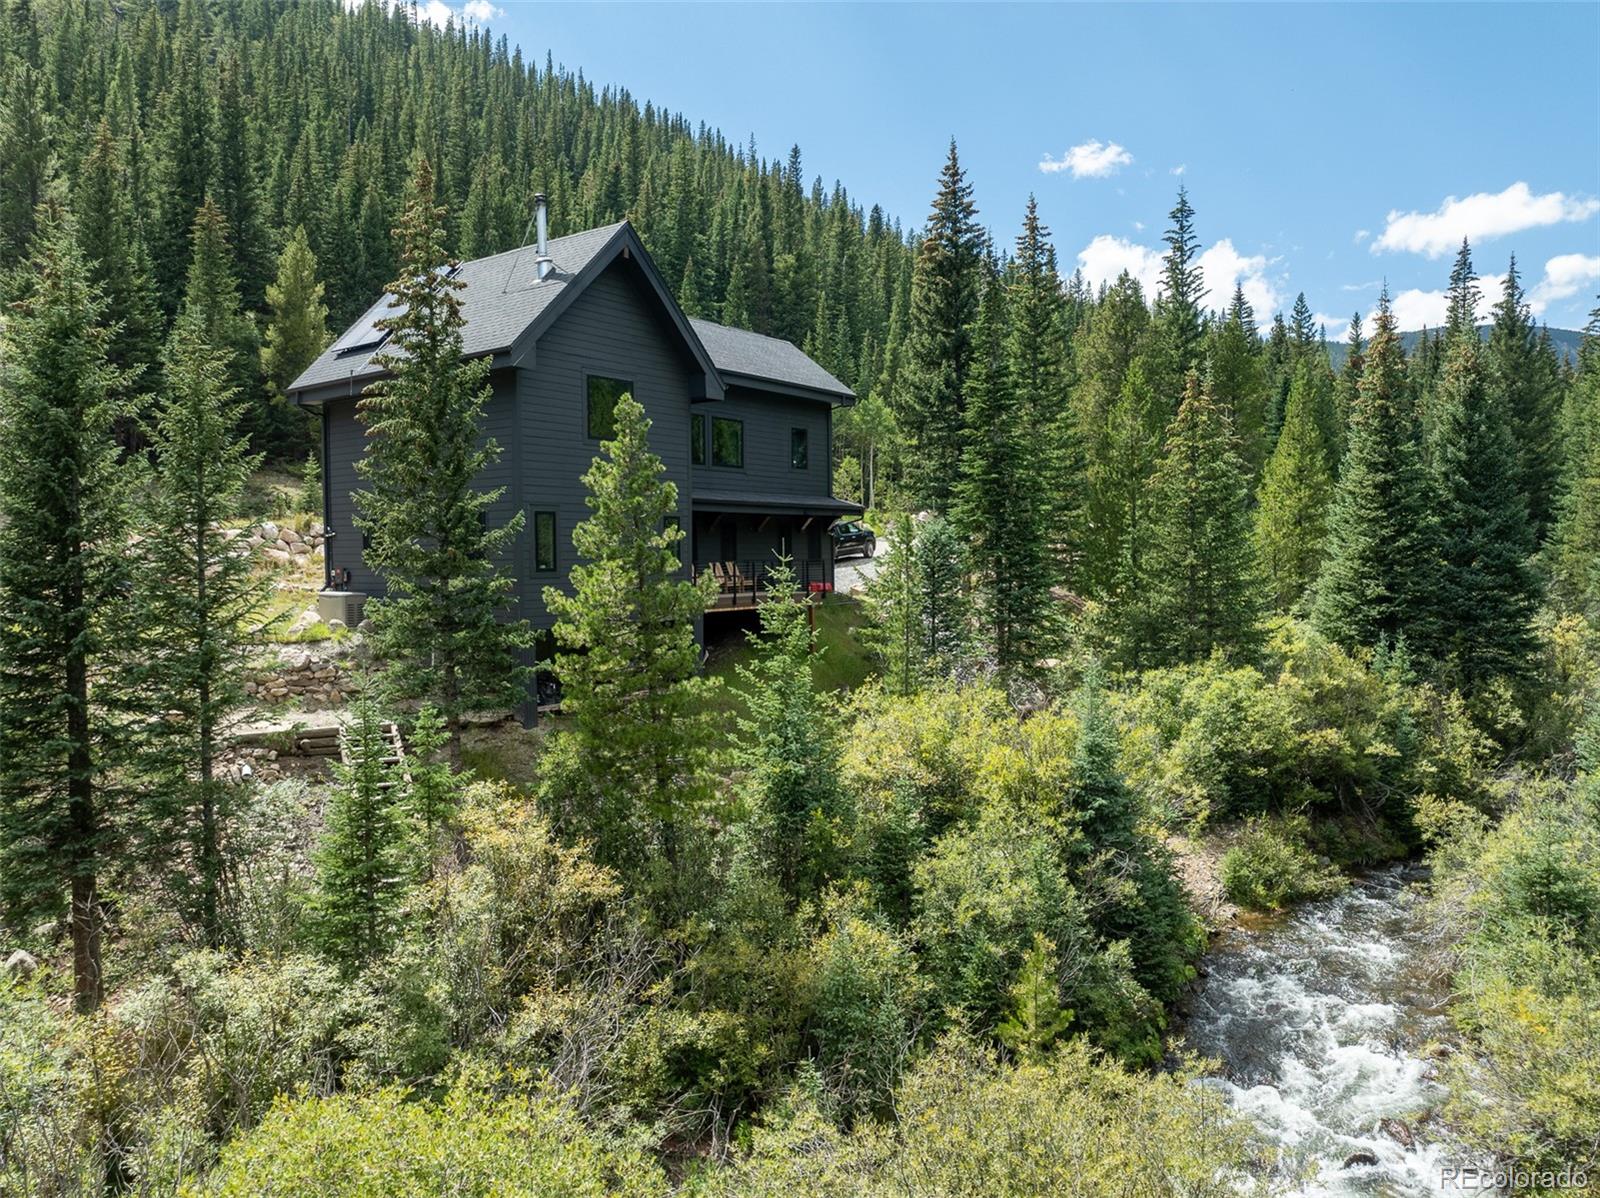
743 422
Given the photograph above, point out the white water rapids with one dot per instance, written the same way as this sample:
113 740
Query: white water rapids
1318 1022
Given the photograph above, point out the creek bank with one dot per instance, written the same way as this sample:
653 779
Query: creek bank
1326 1021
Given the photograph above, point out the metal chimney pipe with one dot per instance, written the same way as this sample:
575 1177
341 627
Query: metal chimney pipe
541 215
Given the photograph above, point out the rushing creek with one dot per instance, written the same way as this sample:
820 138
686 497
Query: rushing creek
1319 1021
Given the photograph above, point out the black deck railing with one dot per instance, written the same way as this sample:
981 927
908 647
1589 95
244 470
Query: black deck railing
745 583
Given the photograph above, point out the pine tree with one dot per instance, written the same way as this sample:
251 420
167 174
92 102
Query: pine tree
1120 482
234 186
1237 370
1485 594
119 263
1296 488
1574 550
361 860
434 791
1462 296
25 161
442 627
1179 318
1035 1018
1202 592
198 599
946 618
1381 564
1302 329
1037 374
1528 392
1345 391
1105 350
297 330
211 302
894 632
999 510
787 744
64 513
945 291
626 652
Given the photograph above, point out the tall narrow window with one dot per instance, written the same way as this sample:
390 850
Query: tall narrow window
727 441
799 449
697 439
544 542
602 413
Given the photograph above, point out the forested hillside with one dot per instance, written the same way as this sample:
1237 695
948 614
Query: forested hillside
896 893
308 115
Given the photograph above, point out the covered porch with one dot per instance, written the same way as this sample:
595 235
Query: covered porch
738 539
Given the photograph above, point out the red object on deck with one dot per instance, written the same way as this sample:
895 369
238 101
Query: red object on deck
820 587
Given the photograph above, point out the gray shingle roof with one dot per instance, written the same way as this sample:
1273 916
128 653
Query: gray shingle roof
502 298
737 351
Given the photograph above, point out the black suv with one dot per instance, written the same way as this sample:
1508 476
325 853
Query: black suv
852 536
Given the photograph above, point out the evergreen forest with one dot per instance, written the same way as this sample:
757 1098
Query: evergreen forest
1183 621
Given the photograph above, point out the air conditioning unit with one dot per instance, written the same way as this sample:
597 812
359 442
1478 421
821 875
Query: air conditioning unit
348 607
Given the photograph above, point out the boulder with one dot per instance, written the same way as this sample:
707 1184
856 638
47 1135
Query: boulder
21 964
269 531
1358 1159
1398 1131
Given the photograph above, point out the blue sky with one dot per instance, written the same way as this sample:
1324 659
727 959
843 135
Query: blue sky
1325 147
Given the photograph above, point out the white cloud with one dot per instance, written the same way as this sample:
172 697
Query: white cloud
1138 226
437 12
1180 168
1479 217
1337 327
1091 160
1223 267
1362 235
1417 309
1564 275
1106 257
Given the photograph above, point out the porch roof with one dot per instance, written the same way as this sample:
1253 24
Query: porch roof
797 505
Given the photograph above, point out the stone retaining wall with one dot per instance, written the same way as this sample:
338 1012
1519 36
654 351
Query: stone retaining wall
281 543
317 679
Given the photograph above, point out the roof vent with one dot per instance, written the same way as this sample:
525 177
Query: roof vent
542 264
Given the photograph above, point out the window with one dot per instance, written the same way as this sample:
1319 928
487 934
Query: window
697 439
799 449
727 441
544 542
603 396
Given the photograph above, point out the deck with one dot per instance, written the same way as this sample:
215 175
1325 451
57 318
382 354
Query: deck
743 585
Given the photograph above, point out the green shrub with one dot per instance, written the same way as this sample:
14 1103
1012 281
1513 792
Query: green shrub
1070 1126
867 1009
1524 898
475 1142
1269 865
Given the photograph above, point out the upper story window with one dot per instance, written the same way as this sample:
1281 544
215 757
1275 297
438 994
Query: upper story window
697 438
603 396
727 441
800 448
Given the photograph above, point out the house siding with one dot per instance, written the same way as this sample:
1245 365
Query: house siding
613 329
347 443
768 419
